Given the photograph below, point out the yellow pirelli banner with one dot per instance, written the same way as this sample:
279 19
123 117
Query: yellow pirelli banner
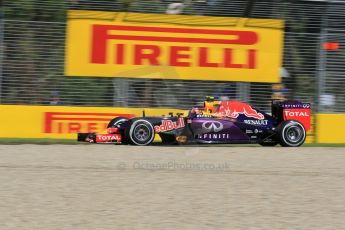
62 122
330 128
136 45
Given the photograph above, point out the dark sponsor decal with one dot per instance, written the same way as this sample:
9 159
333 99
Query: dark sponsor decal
257 131
296 106
256 122
212 126
203 115
214 136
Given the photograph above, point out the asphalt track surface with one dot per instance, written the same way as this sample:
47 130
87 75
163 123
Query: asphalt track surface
128 187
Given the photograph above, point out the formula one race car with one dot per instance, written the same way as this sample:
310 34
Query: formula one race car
216 122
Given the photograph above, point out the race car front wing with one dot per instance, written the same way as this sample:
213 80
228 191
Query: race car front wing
112 135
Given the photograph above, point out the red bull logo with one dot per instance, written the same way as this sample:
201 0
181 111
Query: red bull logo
234 108
169 125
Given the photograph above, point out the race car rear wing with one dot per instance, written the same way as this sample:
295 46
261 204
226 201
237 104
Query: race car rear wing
292 110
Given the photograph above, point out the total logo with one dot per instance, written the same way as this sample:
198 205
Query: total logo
300 115
296 113
212 126
108 137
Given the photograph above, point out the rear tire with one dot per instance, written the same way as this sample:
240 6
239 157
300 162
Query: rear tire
140 132
291 134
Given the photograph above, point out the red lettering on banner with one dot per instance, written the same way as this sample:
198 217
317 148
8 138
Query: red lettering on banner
228 59
120 53
203 58
60 127
74 127
176 54
99 44
151 54
91 127
64 122
251 59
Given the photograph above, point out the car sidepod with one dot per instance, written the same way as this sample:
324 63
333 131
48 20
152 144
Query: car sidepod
210 130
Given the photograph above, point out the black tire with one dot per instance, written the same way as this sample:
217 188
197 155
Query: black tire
140 132
115 122
291 134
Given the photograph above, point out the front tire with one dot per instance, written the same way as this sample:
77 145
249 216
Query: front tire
116 122
291 134
140 132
